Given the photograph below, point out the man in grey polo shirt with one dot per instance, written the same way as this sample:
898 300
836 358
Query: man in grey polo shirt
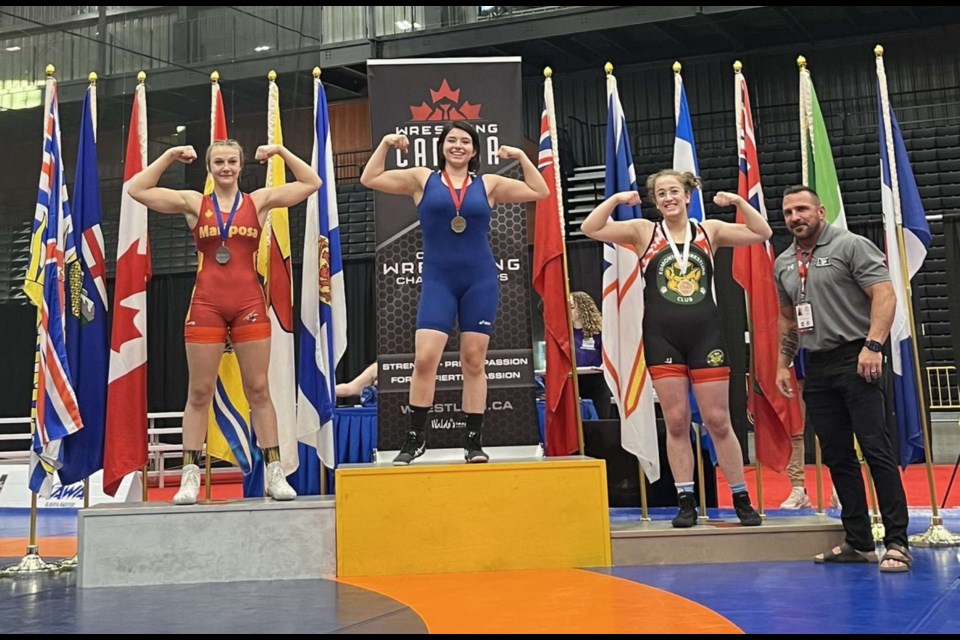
837 302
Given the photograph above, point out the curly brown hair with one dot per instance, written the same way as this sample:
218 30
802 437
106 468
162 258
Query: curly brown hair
589 314
687 180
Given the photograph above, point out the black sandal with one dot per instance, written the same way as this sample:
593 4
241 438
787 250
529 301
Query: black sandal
902 556
847 555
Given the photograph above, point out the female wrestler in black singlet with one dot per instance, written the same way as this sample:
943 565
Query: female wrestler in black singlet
681 336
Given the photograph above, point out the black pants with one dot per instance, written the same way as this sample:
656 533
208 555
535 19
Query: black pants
840 405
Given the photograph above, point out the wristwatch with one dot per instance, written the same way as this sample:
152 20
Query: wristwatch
873 345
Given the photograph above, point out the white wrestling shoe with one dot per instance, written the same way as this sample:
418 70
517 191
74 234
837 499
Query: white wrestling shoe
189 485
277 486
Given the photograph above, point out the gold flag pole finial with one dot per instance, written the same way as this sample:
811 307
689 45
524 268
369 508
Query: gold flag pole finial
737 66
316 72
608 68
547 72
141 77
677 66
272 75
92 77
215 76
801 62
50 69
878 51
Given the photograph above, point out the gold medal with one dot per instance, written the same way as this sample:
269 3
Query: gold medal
686 287
458 224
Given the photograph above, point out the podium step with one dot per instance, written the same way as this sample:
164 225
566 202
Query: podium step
454 517
162 543
722 539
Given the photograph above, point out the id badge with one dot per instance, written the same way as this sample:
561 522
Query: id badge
804 317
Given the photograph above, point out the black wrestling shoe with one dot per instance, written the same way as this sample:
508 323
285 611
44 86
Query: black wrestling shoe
687 515
413 447
473 448
745 511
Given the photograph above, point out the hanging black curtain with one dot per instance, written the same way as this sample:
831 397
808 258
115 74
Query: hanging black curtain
951 238
168 298
585 264
733 319
18 328
360 286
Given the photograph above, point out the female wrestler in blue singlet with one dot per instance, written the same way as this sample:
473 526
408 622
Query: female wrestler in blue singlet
459 274
682 341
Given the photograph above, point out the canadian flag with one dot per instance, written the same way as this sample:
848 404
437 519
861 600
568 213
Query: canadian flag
125 446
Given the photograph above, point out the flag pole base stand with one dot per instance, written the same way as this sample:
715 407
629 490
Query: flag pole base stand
70 564
31 564
935 537
876 528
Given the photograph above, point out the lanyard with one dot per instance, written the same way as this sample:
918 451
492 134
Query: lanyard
803 270
457 197
224 229
681 261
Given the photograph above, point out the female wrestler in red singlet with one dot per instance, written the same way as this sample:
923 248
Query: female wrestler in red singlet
227 297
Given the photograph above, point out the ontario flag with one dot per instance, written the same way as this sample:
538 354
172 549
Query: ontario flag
624 367
56 413
776 418
549 281
125 446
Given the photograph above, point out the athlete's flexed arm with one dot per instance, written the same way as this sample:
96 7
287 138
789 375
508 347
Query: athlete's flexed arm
291 193
401 182
143 186
754 229
503 189
599 226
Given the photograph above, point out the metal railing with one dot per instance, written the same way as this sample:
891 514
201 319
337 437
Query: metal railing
942 389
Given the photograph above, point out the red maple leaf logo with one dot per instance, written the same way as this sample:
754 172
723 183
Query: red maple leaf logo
445 105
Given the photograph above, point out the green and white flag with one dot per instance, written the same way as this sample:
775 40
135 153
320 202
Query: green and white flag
819 171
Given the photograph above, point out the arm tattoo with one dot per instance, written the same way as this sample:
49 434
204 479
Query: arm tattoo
790 342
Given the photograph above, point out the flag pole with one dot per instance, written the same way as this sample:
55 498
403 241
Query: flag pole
208 473
644 511
324 489
819 474
936 535
551 118
70 564
752 368
805 133
701 480
32 564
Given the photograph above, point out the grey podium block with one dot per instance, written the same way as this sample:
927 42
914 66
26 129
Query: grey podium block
122 545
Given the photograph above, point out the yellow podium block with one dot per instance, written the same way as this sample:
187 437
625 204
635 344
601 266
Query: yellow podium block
442 518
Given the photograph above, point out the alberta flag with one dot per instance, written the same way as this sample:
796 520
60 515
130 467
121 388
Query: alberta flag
88 346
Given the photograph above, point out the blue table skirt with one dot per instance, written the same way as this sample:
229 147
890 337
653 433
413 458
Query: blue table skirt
355 438
587 412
